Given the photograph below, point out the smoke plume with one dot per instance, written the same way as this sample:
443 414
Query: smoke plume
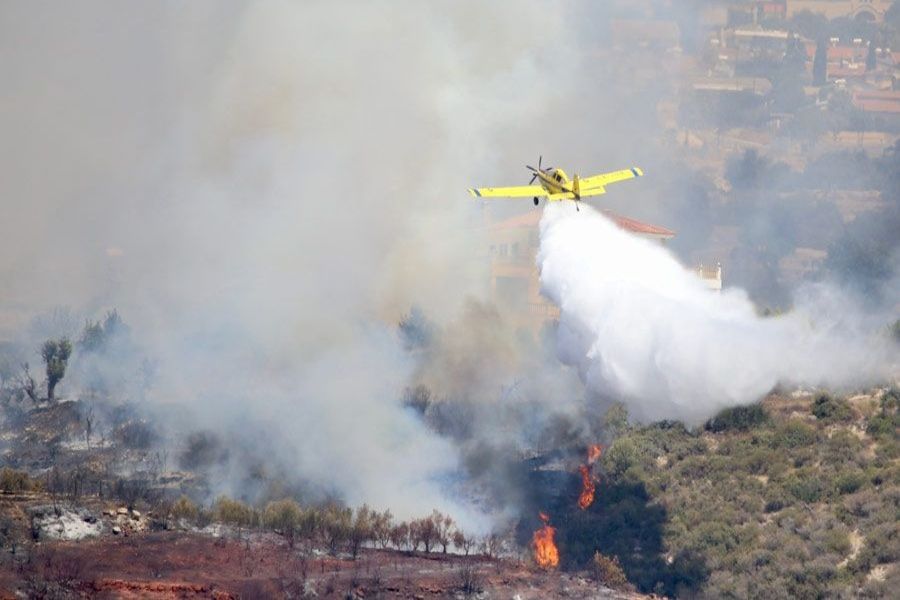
641 328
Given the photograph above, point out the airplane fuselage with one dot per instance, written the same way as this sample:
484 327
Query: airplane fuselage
556 181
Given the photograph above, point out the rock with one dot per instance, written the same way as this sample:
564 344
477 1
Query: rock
116 530
135 514
122 511
90 519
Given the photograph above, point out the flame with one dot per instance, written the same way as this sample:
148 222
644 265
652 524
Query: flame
545 552
587 487
587 478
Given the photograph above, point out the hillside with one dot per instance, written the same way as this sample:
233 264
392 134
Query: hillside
798 497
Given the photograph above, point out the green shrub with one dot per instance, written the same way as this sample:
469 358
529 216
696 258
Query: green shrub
738 418
807 489
776 498
849 482
837 541
620 456
831 410
794 434
883 425
882 547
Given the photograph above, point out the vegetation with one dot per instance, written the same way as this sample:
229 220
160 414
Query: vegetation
55 354
13 481
738 418
754 504
609 572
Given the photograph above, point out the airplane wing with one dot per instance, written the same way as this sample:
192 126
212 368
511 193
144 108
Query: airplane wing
596 184
518 191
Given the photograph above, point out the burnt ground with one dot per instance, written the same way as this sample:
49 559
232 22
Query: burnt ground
173 564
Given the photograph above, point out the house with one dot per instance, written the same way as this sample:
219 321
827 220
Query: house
869 10
882 102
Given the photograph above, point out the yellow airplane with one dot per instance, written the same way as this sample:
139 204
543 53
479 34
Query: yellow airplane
556 185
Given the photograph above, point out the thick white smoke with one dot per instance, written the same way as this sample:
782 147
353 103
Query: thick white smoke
642 328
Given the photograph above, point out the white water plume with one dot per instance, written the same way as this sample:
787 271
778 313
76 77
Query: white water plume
642 328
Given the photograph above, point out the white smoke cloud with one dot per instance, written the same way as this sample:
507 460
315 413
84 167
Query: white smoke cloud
642 328
261 190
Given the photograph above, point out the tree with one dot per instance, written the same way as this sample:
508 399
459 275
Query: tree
285 516
399 535
28 384
423 531
234 513
463 542
443 529
55 354
381 527
96 335
820 63
615 421
361 530
336 524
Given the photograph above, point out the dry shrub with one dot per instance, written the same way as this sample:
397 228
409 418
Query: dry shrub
184 508
13 481
609 572
469 581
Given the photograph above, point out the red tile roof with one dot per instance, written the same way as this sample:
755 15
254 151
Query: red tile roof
881 101
532 218
839 53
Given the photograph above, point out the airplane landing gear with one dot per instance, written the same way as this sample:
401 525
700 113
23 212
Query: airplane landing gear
536 201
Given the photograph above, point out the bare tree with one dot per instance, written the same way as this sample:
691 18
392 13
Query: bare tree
29 386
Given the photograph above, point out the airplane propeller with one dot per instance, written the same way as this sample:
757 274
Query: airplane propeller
539 168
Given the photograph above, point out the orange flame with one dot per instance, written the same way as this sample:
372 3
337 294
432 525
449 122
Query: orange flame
587 478
587 487
545 552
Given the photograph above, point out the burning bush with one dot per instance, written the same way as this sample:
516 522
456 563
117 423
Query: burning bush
546 553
